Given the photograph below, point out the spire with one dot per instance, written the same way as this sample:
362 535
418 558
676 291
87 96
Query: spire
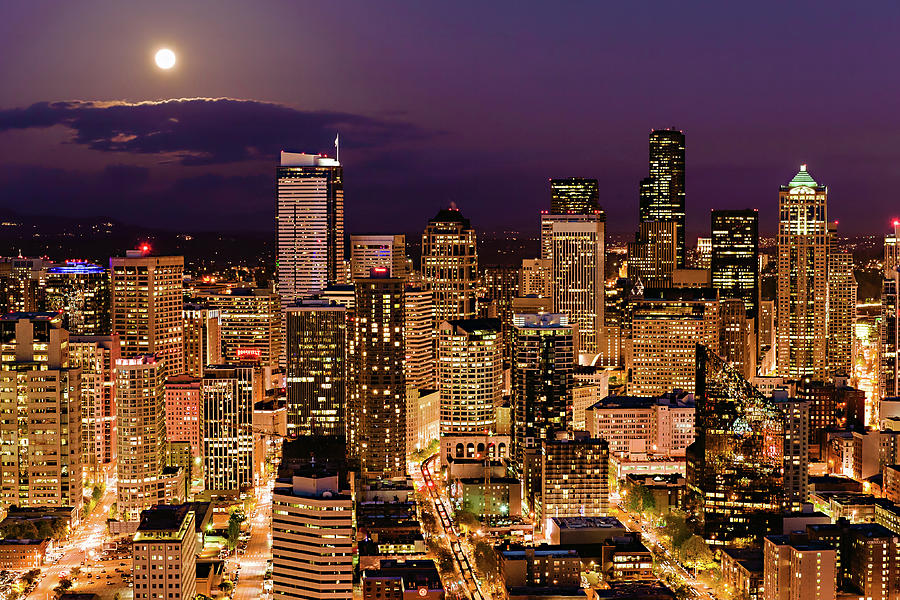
802 178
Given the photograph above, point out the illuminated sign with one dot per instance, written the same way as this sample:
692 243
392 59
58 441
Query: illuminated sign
249 353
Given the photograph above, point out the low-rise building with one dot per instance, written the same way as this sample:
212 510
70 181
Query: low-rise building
626 558
402 580
495 496
796 568
742 573
583 530
631 424
21 554
165 554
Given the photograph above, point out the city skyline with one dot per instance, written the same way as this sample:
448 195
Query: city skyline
71 129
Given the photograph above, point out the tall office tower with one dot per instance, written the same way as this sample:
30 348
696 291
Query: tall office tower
40 436
80 291
735 465
802 305
889 329
737 342
368 251
872 563
542 377
734 257
420 334
312 538
310 223
96 356
704 253
377 403
184 412
796 449
841 307
202 338
250 325
574 477
470 374
450 264
574 196
501 285
165 554
316 377
22 284
662 334
229 393
796 568
536 277
147 308
140 405
662 193
579 258
651 257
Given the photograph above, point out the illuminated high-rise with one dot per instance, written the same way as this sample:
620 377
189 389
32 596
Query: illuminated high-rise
889 328
450 265
802 286
229 393
377 403
368 251
96 356
734 256
652 256
501 285
202 338
310 224
841 307
80 291
147 307
420 338
316 378
662 192
40 433
574 195
543 371
470 374
579 259
250 321
536 277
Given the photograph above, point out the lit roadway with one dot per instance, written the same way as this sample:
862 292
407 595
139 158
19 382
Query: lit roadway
471 582
259 549
88 537
666 560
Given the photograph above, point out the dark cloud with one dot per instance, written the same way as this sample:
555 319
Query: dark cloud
204 131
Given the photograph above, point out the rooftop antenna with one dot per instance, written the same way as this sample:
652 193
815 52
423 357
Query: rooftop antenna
337 147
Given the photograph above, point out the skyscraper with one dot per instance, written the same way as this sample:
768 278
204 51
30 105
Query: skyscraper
889 329
796 449
141 436
735 465
420 338
368 251
96 356
450 264
250 325
574 477
229 393
501 285
542 378
841 306
662 193
735 256
536 277
310 224
470 374
316 378
40 434
80 290
147 308
802 288
377 403
579 258
202 338
652 256
574 195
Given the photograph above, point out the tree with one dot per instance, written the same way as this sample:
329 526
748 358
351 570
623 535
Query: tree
467 520
226 586
429 523
234 528
485 559
675 529
31 576
695 553
97 493
444 559
64 585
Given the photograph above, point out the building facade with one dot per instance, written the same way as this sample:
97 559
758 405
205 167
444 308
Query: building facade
165 549
202 338
574 196
80 291
229 393
250 325
184 412
734 259
368 251
450 265
662 192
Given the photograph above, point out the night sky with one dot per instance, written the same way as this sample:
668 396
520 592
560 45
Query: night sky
478 103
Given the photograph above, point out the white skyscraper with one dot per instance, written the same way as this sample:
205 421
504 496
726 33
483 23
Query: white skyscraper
310 219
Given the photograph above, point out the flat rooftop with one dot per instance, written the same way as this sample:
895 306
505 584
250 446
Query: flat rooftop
587 522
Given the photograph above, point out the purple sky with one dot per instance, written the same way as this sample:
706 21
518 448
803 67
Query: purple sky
473 102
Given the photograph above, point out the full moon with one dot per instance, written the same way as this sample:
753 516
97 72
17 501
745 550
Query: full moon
165 59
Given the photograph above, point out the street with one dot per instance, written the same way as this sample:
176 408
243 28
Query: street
87 539
470 581
259 549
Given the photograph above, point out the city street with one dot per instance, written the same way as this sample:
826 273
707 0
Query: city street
470 581
259 550
86 539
